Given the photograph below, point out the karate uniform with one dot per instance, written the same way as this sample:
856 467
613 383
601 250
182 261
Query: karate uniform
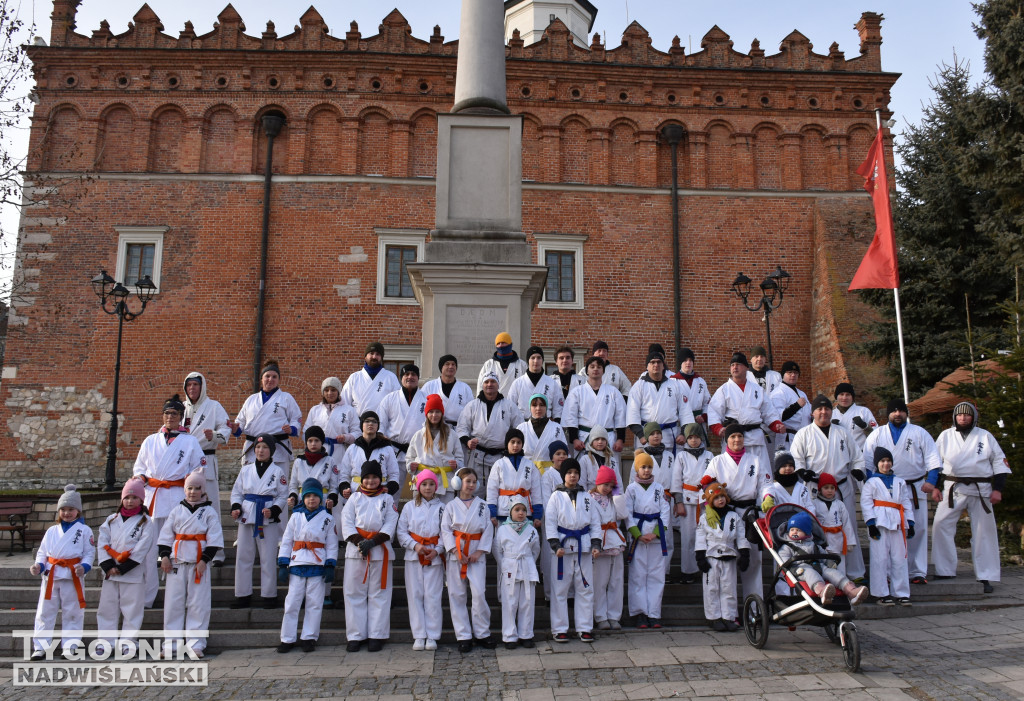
124 595
467 527
516 369
573 524
613 376
550 480
722 546
536 447
784 397
836 454
750 406
840 529
507 481
697 394
165 467
974 456
368 582
187 598
744 483
364 393
575 380
205 414
251 494
647 509
378 449
517 576
454 402
420 524
523 388
609 563
590 462
258 416
336 419
663 476
687 471
399 421
914 456
584 409
664 403
58 553
323 471
309 545
437 461
889 554
801 495
846 421
474 422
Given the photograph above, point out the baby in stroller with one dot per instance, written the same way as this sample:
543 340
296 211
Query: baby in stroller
798 540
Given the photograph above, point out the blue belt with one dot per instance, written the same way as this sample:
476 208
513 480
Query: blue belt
641 519
578 534
669 425
331 442
261 501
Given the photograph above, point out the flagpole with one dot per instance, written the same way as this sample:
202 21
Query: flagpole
896 298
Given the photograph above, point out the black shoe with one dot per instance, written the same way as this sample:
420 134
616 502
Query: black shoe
486 643
465 646
353 645
719 625
308 645
375 645
886 601
988 588
731 626
642 622
526 642
691 577
919 580
269 602
241 602
944 576
655 623
158 602
511 645
38 655
285 647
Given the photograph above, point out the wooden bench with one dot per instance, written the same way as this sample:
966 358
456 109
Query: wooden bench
16 514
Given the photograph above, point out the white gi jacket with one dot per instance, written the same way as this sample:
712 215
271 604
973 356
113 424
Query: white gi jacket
523 388
343 421
769 382
504 477
835 454
575 380
650 502
474 422
581 517
436 460
976 455
725 541
515 370
613 376
191 519
423 521
319 538
846 421
697 394
801 495
205 414
158 460
351 467
373 515
832 515
517 553
536 447
665 404
584 409
590 462
364 393
912 456
399 420
783 397
77 542
750 406
888 517
461 395
743 482
272 490
609 513
687 472
469 518
324 471
132 538
256 417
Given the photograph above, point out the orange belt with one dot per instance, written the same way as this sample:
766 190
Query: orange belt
522 491
384 569
161 484
197 538
116 556
691 487
462 541
836 529
903 518
610 526
433 540
70 564
308 545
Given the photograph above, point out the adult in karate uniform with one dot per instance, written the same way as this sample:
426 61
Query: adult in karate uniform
272 411
695 387
483 425
540 432
455 394
613 374
856 419
742 401
828 448
207 420
655 398
566 378
401 415
165 458
505 364
791 404
766 377
533 382
366 388
594 404
974 469
916 461
339 430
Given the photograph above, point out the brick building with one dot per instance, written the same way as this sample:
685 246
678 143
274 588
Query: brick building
147 155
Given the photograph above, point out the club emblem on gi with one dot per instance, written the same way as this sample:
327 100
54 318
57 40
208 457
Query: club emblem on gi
842 444
750 472
276 405
981 447
910 442
181 454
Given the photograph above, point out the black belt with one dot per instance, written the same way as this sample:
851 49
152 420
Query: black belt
743 503
913 492
209 452
451 423
743 427
588 429
400 447
969 481
282 439
488 451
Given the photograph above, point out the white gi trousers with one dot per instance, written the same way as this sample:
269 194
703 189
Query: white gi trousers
545 560
310 590
458 588
687 538
423 586
367 605
245 557
720 590
64 599
213 494
917 556
117 599
647 579
607 585
481 462
575 570
151 573
984 538
670 538
517 609
888 571
187 603
853 560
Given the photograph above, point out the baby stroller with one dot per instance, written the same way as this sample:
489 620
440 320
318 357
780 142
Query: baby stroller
801 606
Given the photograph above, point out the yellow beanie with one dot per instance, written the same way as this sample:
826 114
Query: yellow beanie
503 337
642 458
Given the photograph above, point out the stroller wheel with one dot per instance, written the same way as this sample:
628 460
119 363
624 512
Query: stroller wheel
832 631
851 648
755 621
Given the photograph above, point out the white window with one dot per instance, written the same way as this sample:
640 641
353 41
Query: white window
396 249
563 256
395 356
139 253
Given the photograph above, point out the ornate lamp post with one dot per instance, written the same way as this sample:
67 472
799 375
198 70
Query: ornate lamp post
773 289
114 300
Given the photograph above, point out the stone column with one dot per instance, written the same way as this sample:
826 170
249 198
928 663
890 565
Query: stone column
480 73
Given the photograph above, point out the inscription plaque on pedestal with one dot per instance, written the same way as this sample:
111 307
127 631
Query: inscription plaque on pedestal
468 330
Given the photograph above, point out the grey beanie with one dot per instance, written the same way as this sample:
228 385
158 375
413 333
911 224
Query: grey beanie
71 498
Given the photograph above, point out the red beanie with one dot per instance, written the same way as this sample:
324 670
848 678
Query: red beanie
433 402
606 474
825 478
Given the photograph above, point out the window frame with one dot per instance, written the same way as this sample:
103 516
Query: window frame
140 235
570 243
407 238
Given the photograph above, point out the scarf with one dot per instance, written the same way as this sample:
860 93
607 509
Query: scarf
65 525
787 480
645 483
505 357
695 452
517 526
721 513
313 458
310 514
736 456
539 425
381 489
655 451
127 514
261 467
372 372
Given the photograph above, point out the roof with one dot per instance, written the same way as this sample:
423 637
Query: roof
940 399
587 7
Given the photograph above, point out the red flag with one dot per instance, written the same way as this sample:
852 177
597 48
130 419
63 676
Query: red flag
878 270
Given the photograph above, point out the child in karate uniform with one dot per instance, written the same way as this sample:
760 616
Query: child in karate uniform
419 532
885 502
787 488
435 448
519 545
126 537
840 529
573 530
647 517
608 562
467 534
691 462
190 538
719 542
64 557
550 480
596 452
368 523
306 561
314 463
663 459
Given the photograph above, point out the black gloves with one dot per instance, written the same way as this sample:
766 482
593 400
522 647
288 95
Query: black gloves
835 422
874 532
857 474
365 546
807 475
744 561
329 576
702 561
910 531
859 422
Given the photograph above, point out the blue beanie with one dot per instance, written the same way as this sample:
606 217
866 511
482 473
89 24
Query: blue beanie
555 446
311 486
803 521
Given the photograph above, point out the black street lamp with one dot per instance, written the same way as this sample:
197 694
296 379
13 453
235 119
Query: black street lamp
114 300
773 289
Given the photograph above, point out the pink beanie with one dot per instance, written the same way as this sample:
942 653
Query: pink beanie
196 479
134 487
605 474
423 475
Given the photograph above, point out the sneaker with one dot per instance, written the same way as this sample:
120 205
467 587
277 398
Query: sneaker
731 626
269 602
353 645
328 602
944 576
465 646
375 645
561 637
655 623
987 588
430 644
308 645
859 594
526 642
38 655
586 636
641 621
918 580
615 625
285 647
420 644
511 645
886 601
602 625
903 601
859 581
828 593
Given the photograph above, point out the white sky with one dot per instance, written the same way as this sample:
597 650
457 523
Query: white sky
917 35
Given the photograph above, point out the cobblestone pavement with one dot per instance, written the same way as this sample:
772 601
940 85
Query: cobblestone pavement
971 655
